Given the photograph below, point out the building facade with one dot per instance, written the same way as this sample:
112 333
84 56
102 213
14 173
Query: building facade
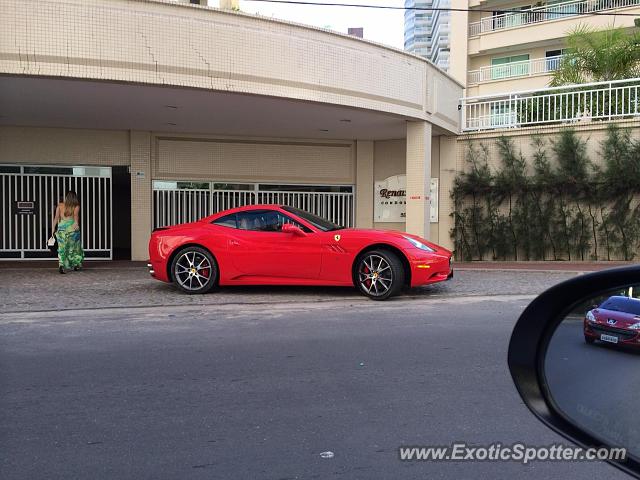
427 33
504 46
519 49
159 112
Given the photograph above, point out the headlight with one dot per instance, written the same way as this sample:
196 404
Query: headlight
635 326
419 245
591 317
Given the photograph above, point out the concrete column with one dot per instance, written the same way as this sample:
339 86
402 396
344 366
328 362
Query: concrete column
141 205
458 50
418 177
448 170
364 184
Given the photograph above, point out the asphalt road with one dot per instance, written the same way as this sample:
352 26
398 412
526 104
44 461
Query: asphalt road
591 384
260 391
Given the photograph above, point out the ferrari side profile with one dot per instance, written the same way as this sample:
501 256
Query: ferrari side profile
282 245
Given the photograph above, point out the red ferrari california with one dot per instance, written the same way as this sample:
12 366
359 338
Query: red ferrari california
616 320
281 245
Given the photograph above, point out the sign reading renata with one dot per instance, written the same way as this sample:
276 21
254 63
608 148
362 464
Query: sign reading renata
390 199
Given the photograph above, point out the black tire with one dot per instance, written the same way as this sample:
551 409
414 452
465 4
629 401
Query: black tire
194 270
589 340
379 274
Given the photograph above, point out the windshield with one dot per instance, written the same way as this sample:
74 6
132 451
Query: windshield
318 222
622 304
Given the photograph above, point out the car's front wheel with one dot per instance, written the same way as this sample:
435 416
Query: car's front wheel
589 340
194 270
379 274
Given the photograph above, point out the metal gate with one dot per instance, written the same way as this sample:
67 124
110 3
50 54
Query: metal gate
28 198
180 202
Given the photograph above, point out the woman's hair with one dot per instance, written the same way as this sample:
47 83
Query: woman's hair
70 203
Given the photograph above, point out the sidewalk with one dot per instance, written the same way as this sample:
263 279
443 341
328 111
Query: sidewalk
88 264
26 289
532 266
539 266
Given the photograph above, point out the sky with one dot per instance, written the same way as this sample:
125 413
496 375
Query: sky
383 26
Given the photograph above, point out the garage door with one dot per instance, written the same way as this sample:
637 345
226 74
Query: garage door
28 196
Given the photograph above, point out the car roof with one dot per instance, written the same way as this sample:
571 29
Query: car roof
245 208
622 298
248 208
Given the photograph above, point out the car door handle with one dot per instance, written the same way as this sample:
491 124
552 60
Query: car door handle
234 243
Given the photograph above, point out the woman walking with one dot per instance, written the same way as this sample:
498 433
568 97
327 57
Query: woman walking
70 253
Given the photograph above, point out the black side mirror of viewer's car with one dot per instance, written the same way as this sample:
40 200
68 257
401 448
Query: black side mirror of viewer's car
578 372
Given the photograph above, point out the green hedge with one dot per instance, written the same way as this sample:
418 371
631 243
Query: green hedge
556 206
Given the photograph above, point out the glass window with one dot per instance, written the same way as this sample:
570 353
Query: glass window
503 115
170 185
9 169
513 66
264 187
318 222
622 304
49 170
265 221
227 221
71 171
234 186
553 59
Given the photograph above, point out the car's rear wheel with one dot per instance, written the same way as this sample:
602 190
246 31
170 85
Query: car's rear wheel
194 270
379 274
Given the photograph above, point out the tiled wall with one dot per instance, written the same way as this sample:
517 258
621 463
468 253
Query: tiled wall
63 146
254 160
160 42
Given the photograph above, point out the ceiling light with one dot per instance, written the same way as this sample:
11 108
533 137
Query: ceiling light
345 120
323 129
173 107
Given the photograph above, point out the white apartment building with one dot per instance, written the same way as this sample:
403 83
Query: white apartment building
427 33
504 46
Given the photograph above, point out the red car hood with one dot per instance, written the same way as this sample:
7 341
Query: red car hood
389 235
622 319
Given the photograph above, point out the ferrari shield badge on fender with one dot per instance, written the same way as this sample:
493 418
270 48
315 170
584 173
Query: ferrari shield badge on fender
336 238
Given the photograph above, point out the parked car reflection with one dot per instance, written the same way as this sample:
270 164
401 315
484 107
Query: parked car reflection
615 321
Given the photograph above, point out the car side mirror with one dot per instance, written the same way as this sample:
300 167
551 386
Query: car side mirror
576 369
290 228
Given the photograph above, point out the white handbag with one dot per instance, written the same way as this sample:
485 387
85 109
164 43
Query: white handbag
51 242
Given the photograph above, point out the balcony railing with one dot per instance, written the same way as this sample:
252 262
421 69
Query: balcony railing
526 68
575 103
545 13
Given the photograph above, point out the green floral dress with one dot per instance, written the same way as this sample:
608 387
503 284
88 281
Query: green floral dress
70 253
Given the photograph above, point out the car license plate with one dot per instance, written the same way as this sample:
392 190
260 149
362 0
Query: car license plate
608 338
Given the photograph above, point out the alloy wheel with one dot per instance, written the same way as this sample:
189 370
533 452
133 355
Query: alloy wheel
375 275
193 271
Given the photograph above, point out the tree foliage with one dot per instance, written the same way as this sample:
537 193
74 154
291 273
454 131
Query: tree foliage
557 206
599 56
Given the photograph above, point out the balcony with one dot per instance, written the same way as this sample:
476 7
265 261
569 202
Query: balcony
526 68
559 105
546 13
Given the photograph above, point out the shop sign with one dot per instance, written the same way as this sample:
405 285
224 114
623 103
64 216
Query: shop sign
390 199
24 207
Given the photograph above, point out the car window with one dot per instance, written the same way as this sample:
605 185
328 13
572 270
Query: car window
265 221
318 222
622 304
227 221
